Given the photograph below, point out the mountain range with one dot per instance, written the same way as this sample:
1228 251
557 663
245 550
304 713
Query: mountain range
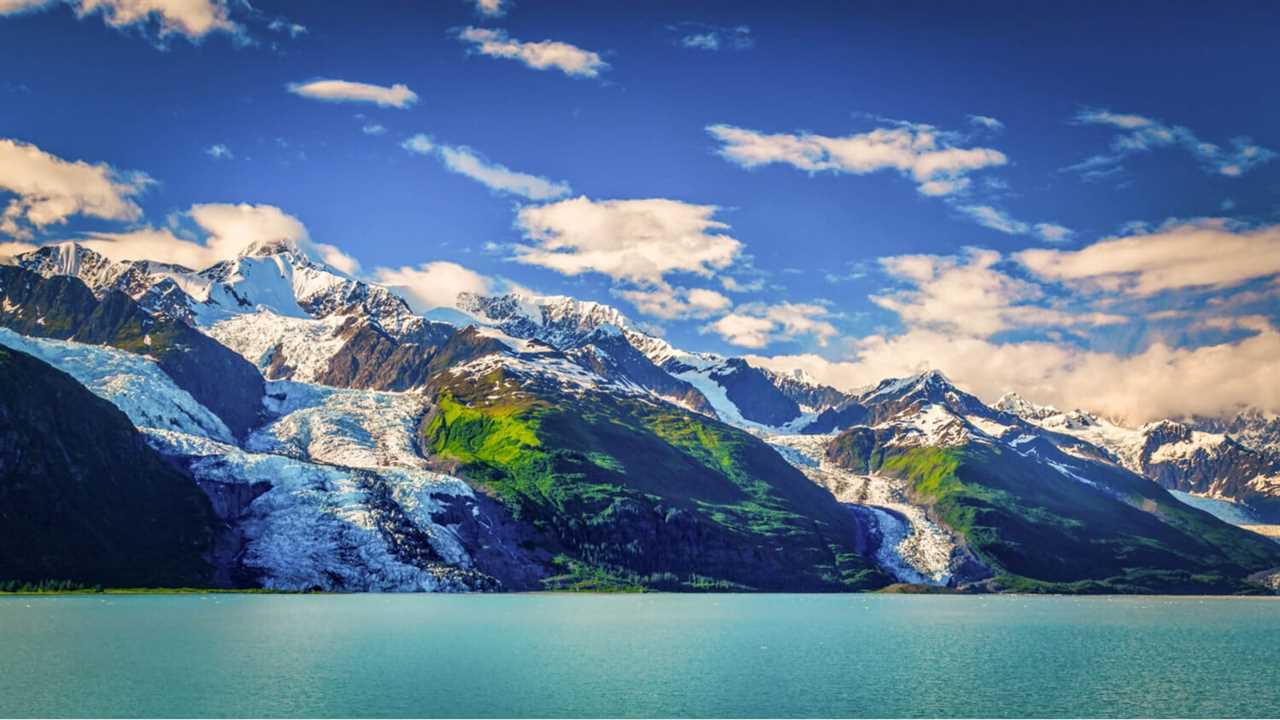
273 422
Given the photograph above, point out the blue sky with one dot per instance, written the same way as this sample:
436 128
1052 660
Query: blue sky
881 168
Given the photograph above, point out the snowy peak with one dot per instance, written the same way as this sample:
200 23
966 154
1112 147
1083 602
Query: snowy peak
559 321
897 396
75 260
276 275
1015 404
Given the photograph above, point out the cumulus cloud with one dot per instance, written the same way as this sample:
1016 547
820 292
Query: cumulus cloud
397 96
225 231
923 153
542 55
219 152
1161 381
491 8
1207 252
639 241
373 129
970 295
1142 134
756 325
676 303
957 313
193 19
48 190
433 285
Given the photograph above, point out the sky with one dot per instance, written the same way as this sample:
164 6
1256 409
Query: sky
1079 203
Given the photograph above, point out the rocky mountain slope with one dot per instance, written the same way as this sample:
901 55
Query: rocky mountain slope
82 495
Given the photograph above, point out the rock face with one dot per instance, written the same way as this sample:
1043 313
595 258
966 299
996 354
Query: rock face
63 307
1180 458
82 496
372 358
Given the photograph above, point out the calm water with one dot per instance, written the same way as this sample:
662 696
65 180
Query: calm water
572 655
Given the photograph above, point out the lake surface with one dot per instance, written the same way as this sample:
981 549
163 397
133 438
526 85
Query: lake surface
615 655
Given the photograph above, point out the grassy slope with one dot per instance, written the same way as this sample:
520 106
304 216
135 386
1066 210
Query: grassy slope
1045 532
632 494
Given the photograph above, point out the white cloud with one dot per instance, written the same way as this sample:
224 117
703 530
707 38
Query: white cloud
492 8
969 295
737 285
219 152
1161 381
48 190
1207 252
9 249
986 121
468 163
1142 134
921 152
373 129
1001 221
676 303
465 161
756 325
1052 232
419 144
997 220
285 26
569 59
433 285
396 96
698 36
701 41
639 241
226 230
192 19
18 7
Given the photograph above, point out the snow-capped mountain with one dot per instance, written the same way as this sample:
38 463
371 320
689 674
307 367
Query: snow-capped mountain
974 484
274 276
546 438
1175 454
734 390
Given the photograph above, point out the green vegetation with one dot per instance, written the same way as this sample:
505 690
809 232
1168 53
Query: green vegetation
631 494
1043 532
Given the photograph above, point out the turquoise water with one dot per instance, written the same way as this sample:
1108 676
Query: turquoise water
612 655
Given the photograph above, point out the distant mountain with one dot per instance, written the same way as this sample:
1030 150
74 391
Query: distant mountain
728 387
82 496
1038 515
1174 454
